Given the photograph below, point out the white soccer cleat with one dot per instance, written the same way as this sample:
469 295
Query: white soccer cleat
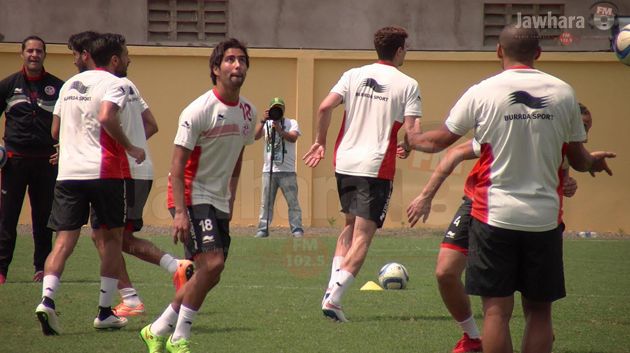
333 311
111 322
48 319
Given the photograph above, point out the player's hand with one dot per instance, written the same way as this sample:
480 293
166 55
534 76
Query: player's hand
54 158
314 155
420 207
402 150
181 227
137 153
599 162
569 187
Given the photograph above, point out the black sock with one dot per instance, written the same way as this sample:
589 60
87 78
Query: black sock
104 312
48 302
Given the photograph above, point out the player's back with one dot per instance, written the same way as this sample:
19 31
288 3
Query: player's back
376 98
86 150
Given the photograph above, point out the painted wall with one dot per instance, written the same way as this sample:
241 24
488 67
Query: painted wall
324 24
170 78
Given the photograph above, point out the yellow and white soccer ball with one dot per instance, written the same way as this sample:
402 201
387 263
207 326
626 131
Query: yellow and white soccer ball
621 45
393 276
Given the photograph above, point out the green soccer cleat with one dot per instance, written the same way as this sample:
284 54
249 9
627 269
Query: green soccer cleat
155 343
181 346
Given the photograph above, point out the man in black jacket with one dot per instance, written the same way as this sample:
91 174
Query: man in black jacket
28 98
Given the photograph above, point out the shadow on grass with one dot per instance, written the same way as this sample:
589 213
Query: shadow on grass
212 329
400 318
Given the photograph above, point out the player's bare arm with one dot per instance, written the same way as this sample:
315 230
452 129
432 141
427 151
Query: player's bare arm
234 181
324 115
181 221
108 117
149 123
420 207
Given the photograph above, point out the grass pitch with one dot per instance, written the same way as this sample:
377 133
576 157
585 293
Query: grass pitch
269 301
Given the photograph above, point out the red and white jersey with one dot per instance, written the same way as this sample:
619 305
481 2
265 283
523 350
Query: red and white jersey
131 119
377 97
523 119
215 131
86 151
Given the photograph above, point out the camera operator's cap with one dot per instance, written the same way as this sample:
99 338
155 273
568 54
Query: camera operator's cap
277 101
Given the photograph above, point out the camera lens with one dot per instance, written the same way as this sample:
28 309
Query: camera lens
275 113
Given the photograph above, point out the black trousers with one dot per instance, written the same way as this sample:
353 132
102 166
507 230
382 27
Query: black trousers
37 176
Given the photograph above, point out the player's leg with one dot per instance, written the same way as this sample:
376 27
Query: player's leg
542 282
267 201
497 312
107 198
69 212
210 242
13 190
492 272
41 193
450 266
538 335
341 249
289 187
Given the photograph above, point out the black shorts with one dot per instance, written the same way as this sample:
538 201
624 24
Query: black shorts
73 199
502 261
137 191
364 197
456 236
210 230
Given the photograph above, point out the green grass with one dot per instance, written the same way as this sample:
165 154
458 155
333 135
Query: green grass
269 297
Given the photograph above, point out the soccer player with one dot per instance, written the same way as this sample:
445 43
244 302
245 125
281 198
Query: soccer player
27 97
92 149
138 124
213 131
525 122
379 100
451 260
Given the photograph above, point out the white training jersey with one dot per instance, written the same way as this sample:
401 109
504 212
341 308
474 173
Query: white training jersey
86 151
377 97
215 131
131 119
523 119
283 150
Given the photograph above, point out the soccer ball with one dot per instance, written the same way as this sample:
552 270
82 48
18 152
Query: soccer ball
3 156
621 45
393 276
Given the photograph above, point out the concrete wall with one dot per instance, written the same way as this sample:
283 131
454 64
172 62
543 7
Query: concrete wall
324 24
170 78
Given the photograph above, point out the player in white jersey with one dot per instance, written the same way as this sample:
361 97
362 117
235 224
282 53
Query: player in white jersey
213 131
92 168
139 125
526 123
379 100
451 260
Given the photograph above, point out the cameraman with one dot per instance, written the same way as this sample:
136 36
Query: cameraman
280 136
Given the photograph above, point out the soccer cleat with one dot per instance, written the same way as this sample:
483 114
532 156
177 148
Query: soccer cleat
155 343
111 322
333 311
298 234
124 310
185 270
38 276
48 319
467 344
181 346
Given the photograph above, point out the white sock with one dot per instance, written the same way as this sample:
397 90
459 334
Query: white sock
344 280
184 323
168 263
334 271
470 327
50 284
130 297
108 289
165 324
